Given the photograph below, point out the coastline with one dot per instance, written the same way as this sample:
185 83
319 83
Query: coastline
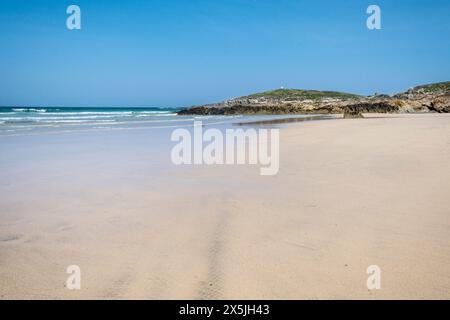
287 120
432 97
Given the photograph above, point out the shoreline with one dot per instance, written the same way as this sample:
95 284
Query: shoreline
287 120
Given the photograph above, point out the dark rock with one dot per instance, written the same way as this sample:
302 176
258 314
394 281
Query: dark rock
352 114
428 98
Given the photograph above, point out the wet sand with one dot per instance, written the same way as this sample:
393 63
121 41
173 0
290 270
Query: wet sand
289 120
349 194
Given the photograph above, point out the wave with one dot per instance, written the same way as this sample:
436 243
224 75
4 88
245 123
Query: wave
11 116
87 109
88 113
29 110
52 119
72 121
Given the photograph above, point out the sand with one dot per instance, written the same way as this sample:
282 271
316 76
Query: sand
349 194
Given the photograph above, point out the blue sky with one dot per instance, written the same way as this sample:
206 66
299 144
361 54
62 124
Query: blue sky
180 53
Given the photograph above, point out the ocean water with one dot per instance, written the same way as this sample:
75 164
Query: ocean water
16 121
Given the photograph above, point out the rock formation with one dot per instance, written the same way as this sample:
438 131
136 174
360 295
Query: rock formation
427 98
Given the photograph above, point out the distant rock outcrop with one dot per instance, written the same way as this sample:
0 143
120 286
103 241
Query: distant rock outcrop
427 98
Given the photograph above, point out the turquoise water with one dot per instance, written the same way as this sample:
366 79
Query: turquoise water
34 120
24 119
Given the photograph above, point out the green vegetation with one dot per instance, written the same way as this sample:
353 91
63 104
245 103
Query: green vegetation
433 87
296 94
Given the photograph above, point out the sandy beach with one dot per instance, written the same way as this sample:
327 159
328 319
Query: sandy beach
349 194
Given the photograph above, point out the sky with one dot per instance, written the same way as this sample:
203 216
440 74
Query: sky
177 53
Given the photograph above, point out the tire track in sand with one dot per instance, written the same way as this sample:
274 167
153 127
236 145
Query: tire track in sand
212 286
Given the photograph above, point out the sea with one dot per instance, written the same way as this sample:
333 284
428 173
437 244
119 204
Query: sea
16 121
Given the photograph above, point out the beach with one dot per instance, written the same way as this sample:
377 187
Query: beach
349 194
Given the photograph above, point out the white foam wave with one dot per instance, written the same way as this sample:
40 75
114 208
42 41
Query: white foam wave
28 110
72 121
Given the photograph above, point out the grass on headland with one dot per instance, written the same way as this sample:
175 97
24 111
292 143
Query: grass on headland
433 87
297 94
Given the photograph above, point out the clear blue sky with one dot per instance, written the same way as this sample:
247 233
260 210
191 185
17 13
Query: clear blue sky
180 53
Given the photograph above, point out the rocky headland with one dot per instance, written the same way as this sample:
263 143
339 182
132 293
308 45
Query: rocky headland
426 98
